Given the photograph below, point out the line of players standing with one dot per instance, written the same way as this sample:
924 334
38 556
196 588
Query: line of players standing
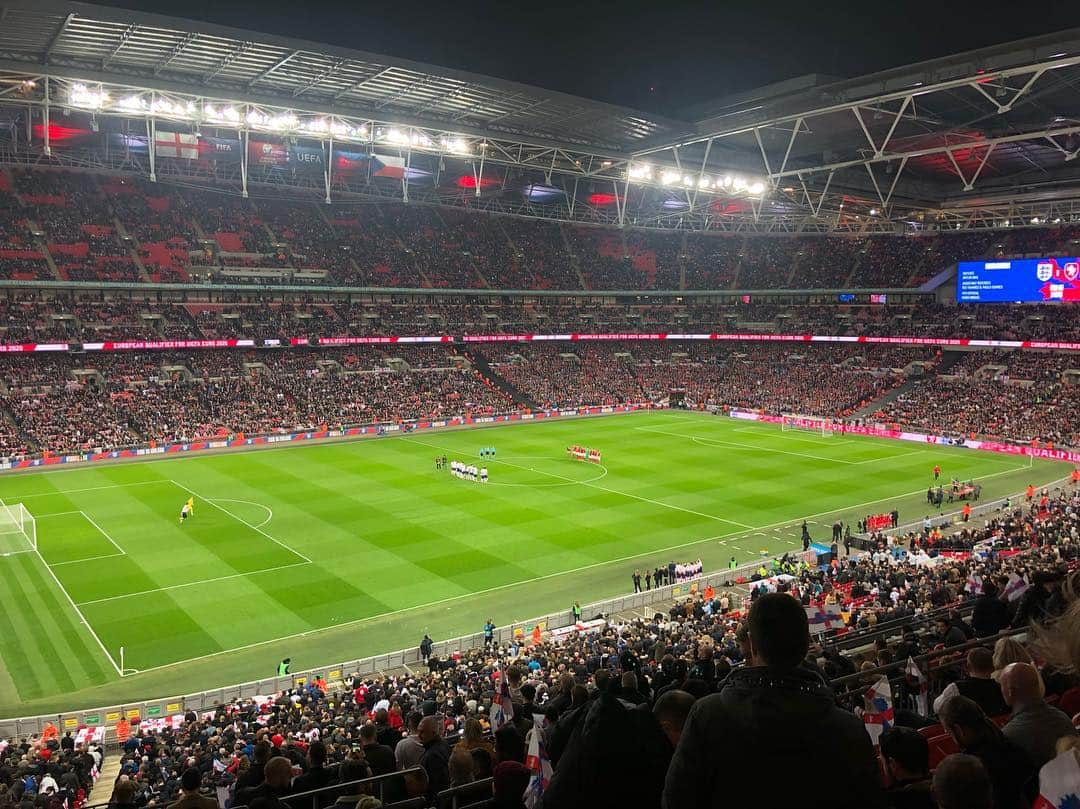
662 575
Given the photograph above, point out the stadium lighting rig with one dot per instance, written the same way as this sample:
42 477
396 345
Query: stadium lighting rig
669 177
262 118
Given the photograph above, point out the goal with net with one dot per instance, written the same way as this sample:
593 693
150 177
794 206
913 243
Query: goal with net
18 529
814 424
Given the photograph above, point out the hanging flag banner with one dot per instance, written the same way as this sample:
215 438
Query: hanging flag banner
221 150
307 158
265 153
181 145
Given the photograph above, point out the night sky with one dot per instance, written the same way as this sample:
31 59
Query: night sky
661 56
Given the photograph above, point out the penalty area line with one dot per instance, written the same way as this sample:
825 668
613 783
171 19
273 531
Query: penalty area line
255 528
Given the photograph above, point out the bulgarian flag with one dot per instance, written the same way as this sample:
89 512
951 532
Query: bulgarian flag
1059 783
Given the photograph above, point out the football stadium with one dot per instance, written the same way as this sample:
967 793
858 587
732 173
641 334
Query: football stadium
374 433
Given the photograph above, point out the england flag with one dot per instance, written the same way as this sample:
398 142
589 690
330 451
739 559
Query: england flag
917 680
502 709
537 762
974 585
176 144
822 619
1016 587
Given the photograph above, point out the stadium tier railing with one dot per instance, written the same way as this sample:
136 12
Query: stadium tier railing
336 673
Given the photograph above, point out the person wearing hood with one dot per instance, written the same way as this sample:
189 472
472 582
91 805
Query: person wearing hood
773 716
614 735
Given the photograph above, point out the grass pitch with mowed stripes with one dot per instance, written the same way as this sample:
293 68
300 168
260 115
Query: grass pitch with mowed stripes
341 550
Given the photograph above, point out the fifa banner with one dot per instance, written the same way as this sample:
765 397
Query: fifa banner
220 150
203 444
1047 453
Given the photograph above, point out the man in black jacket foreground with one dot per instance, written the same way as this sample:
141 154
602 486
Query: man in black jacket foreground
773 717
618 753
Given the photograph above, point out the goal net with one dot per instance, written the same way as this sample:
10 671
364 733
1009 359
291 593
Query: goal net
814 424
18 529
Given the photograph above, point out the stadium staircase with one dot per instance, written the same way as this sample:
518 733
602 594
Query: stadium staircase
7 417
43 246
491 375
574 264
868 410
947 361
132 252
680 260
103 786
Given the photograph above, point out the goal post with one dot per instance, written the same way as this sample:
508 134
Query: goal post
18 529
803 423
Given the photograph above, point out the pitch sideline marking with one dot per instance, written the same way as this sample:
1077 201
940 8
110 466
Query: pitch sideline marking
988 456
78 612
240 520
603 489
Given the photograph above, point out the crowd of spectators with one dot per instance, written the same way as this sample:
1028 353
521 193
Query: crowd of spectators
115 399
999 406
111 227
69 404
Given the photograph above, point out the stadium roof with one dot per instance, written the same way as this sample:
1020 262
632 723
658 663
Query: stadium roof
129 46
971 140
1005 118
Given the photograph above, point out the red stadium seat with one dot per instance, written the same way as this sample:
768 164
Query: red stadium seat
940 748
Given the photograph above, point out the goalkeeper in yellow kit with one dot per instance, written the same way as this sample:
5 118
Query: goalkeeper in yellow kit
188 510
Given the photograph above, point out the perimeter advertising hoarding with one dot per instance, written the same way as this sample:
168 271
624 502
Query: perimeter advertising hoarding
1022 280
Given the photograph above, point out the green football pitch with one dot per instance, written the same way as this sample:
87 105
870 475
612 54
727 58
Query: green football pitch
341 550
